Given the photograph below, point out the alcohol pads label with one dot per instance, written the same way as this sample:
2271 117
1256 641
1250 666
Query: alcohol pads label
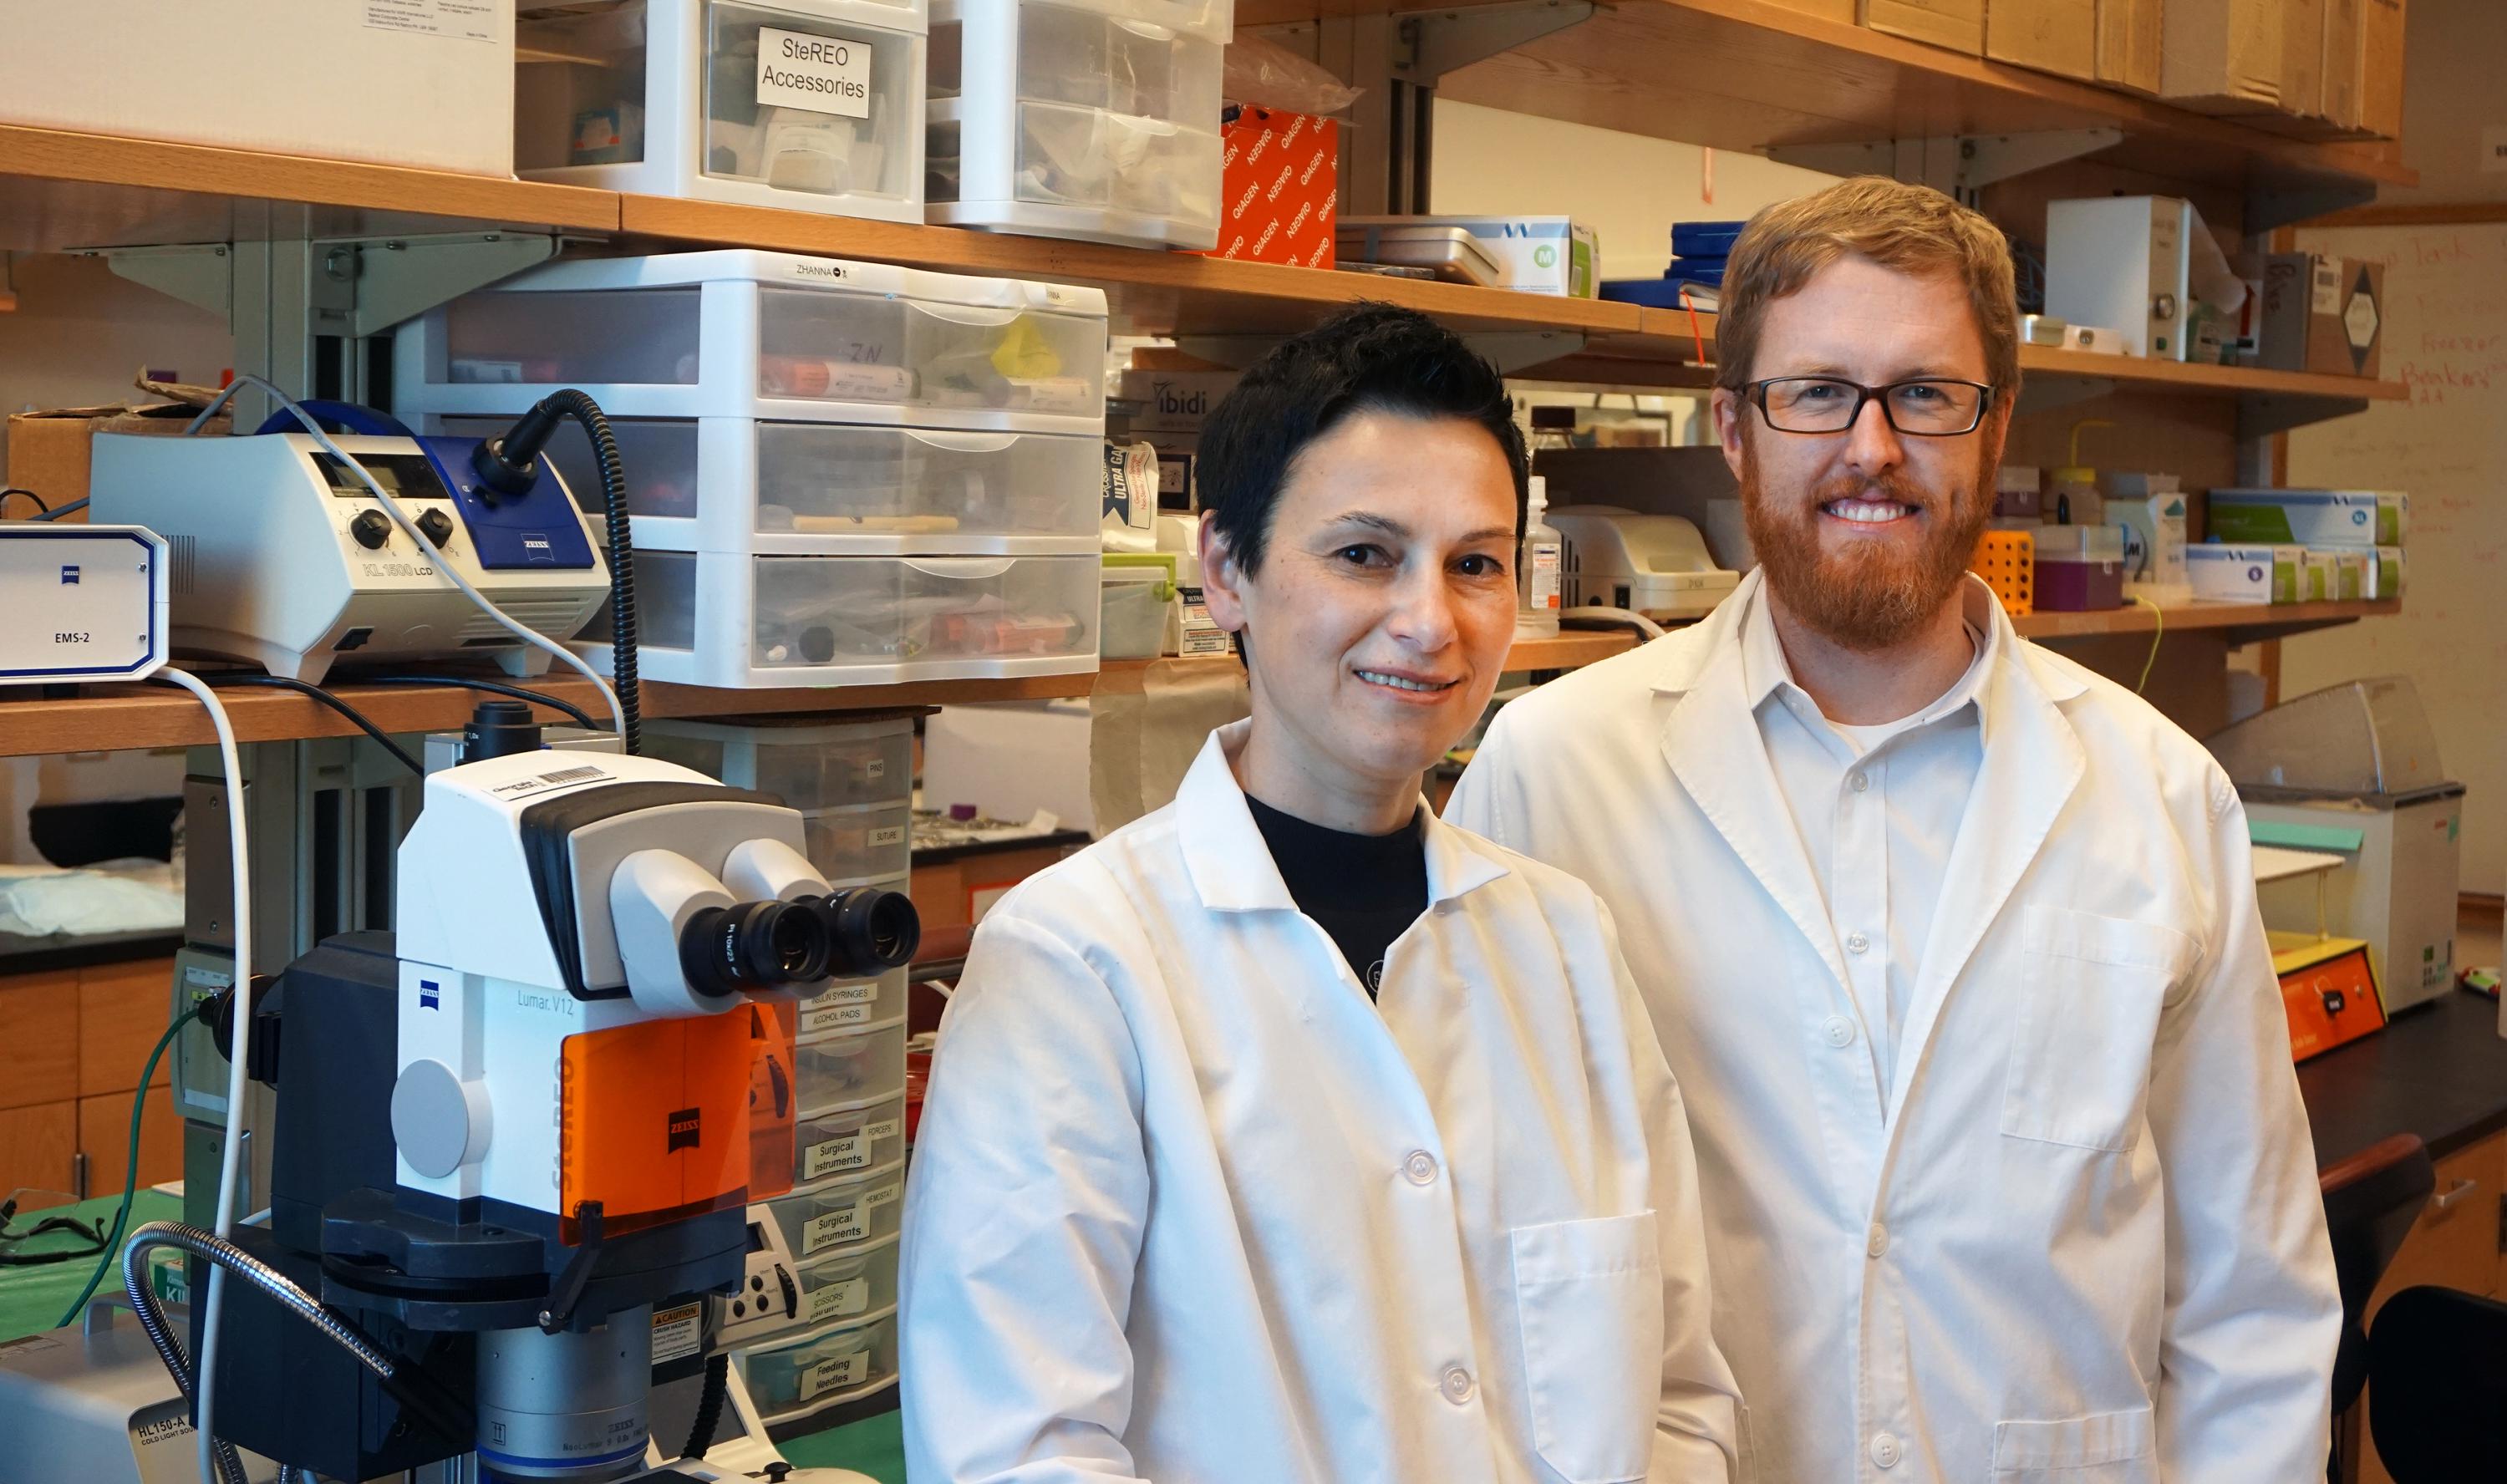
823 74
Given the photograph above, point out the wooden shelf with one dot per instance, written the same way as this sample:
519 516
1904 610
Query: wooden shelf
1750 76
2247 623
120 717
1572 649
62 190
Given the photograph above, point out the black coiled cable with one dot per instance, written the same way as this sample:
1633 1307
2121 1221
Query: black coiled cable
718 1381
580 407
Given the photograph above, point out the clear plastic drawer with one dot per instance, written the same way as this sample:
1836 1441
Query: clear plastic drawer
771 335
849 1069
811 766
793 1381
864 840
848 1142
852 1004
845 1212
1093 157
846 1286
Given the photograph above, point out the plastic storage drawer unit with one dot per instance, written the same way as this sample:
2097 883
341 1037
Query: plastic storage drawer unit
825 487
846 1286
863 840
721 619
849 1069
850 1005
848 1142
812 105
809 766
791 1382
773 336
1090 119
841 1213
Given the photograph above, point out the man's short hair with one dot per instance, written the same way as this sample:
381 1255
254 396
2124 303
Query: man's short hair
1369 358
1911 228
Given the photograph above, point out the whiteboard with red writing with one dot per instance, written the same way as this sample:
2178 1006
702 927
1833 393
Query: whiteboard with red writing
2446 337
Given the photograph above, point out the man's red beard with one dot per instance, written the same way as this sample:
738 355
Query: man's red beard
1870 597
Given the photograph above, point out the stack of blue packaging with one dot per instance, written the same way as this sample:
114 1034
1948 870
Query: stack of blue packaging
1699 250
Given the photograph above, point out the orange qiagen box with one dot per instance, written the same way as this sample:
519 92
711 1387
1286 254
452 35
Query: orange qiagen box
1279 187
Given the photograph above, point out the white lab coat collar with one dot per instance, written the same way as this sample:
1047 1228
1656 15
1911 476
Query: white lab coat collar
2033 761
1231 867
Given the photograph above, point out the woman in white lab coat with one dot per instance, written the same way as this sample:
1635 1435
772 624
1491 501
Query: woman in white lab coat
1288 1135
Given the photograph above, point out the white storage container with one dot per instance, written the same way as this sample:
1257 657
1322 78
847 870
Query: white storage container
813 105
829 489
848 1142
861 839
1133 606
742 333
843 1287
849 1069
841 1213
850 1005
1090 119
721 619
795 1380
808 765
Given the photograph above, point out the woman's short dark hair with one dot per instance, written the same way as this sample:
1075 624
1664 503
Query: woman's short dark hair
1368 358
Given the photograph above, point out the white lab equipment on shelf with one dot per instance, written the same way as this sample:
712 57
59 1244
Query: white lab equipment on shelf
723 619
828 488
744 334
813 105
1089 119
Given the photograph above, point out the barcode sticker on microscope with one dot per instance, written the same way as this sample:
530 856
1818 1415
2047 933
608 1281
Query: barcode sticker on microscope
573 775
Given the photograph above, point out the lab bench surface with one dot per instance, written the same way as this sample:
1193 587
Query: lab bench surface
26 953
2438 1071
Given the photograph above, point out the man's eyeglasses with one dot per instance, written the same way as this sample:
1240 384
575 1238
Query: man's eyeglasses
1929 407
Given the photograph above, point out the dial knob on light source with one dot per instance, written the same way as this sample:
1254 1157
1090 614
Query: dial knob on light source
372 528
436 526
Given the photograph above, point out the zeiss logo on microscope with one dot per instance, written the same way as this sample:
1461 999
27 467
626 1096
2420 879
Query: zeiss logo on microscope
69 575
683 1131
429 996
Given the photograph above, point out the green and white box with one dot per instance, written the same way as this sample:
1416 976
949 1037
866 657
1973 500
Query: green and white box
2155 547
2244 572
2319 580
2384 574
1535 254
2351 572
2327 518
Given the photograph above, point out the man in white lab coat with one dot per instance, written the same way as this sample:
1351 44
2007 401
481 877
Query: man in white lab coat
1951 943
1288 1135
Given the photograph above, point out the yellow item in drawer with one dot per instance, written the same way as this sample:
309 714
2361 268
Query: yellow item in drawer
1023 354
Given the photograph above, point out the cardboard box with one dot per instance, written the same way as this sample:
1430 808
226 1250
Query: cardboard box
1280 186
1825 10
425 82
2320 517
2302 58
2350 573
47 451
1958 24
2222 56
2244 572
2323 314
2058 36
2381 68
2344 31
2130 34
2385 573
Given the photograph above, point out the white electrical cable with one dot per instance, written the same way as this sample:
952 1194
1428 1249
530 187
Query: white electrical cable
1595 616
231 1150
409 528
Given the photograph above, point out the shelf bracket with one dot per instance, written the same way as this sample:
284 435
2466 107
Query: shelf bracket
1448 41
1956 164
200 275
2044 394
2271 205
399 278
1509 349
2260 414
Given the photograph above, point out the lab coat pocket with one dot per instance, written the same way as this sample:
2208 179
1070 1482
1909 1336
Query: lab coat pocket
2107 1448
2085 1013
1590 1295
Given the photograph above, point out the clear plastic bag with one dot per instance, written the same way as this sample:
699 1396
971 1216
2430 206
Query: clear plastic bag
1264 72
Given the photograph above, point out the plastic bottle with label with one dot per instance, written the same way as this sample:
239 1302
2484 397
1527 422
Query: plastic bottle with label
1537 569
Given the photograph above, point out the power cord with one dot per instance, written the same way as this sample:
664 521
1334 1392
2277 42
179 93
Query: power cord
130 1172
70 509
399 517
2158 630
582 717
41 503
313 692
86 1231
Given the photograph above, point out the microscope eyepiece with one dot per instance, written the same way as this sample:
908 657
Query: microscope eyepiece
868 930
754 947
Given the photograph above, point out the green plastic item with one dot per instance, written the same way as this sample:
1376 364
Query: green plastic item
2306 837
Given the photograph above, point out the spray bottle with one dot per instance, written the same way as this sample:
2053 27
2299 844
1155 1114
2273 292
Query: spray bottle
1536 572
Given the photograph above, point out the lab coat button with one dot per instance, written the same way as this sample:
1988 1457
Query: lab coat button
1421 1166
1457 1385
1884 1451
1861 782
1877 1242
1857 943
1838 1029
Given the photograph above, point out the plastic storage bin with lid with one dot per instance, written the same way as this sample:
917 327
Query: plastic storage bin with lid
851 1004
809 765
846 1213
812 105
843 1287
742 333
848 1141
832 489
1090 119
724 619
859 841
849 1069
800 1378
